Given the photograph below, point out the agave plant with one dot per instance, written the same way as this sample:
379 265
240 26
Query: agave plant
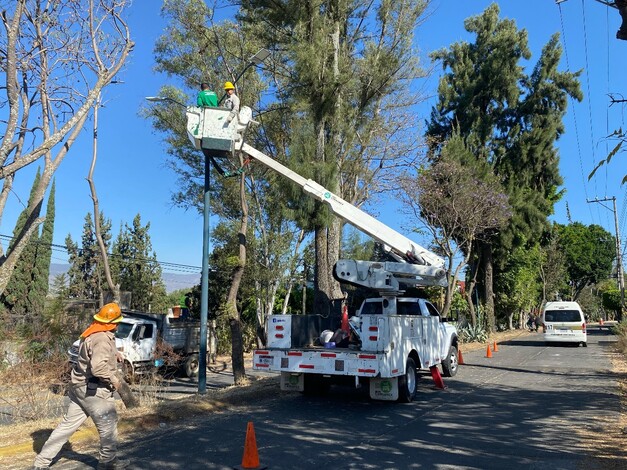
476 333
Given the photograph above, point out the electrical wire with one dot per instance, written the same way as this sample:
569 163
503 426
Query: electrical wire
572 101
592 140
170 267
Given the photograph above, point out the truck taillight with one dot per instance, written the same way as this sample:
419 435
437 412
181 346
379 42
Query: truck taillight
583 327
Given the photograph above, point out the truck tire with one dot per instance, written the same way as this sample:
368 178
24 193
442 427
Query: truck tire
407 383
450 363
192 366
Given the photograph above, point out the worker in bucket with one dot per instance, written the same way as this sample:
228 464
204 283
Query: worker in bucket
93 381
232 100
206 97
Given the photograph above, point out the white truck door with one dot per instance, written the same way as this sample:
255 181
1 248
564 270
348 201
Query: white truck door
143 342
431 324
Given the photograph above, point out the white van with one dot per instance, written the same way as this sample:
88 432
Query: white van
564 322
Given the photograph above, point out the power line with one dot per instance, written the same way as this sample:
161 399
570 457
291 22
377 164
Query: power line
186 268
572 101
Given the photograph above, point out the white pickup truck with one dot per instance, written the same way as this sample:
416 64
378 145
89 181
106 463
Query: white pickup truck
391 338
143 339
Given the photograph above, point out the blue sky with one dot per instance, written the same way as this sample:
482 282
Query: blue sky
131 176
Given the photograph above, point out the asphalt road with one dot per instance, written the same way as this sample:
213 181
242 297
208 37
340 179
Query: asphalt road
522 408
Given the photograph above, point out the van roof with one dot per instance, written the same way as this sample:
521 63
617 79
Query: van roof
561 305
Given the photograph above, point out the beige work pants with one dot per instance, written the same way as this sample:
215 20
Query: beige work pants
96 403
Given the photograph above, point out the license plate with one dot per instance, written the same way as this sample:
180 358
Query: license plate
268 360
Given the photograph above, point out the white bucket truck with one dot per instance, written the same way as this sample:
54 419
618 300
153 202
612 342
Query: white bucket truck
389 338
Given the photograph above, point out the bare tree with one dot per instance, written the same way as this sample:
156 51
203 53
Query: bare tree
458 209
56 58
113 287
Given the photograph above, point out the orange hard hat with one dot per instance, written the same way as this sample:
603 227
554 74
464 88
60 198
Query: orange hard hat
109 313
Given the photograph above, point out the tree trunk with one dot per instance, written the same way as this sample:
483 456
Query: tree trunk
488 281
237 343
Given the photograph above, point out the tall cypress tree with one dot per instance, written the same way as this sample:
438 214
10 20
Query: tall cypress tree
509 120
86 273
15 294
43 253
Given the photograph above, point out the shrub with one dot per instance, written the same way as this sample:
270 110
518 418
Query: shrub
469 334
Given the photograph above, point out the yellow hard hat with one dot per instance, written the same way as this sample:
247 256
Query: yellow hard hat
109 313
229 86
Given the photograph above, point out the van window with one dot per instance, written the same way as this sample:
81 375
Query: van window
562 316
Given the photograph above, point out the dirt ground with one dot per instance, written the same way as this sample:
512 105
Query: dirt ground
604 440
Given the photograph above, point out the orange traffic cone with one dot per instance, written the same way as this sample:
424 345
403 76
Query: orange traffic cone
488 352
460 357
250 460
496 347
437 378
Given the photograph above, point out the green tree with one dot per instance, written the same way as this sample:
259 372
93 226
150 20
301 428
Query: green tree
510 121
552 265
342 67
16 291
134 265
26 291
518 287
589 251
86 276
43 254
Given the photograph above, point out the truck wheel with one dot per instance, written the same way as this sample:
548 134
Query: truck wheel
315 385
192 366
407 383
450 363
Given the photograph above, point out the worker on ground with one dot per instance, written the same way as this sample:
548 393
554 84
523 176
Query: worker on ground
206 97
232 100
622 9
93 381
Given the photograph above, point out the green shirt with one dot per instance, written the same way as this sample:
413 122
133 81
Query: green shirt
207 98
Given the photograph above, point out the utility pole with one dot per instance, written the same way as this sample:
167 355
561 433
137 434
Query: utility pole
619 260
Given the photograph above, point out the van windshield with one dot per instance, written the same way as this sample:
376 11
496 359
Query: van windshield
562 316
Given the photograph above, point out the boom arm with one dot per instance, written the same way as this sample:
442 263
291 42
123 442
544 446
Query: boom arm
209 131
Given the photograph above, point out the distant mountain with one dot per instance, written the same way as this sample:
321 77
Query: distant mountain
172 281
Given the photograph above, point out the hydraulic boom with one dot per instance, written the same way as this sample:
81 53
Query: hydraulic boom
209 131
